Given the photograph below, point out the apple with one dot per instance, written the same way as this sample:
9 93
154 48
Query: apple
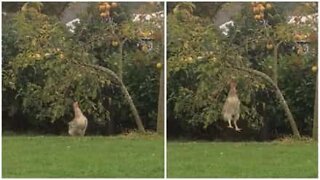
159 65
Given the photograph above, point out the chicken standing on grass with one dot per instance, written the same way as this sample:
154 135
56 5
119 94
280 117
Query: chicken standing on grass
78 126
231 108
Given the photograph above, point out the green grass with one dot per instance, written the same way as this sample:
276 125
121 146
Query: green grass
96 156
242 160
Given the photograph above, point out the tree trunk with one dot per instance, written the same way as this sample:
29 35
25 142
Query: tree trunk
120 62
132 107
265 132
315 114
160 117
279 95
275 64
120 67
120 75
123 88
110 125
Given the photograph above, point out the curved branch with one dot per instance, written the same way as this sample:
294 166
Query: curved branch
279 95
124 90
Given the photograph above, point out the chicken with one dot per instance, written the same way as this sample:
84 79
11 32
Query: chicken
231 108
78 126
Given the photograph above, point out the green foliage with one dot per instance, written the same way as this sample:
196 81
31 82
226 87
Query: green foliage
41 79
200 57
48 8
128 57
40 76
198 75
302 89
294 74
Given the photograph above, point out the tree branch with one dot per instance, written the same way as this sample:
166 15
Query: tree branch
124 90
279 95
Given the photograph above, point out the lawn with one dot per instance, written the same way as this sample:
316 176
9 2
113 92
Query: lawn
245 160
95 156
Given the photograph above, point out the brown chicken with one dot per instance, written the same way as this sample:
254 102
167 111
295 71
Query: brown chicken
78 126
231 108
